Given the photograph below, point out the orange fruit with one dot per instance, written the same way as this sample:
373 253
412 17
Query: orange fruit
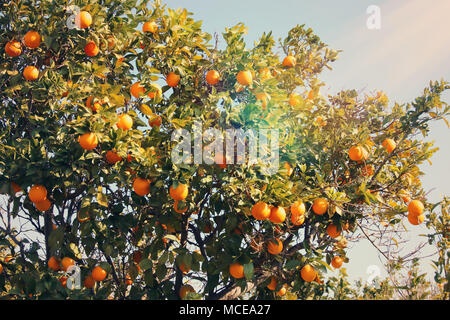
88 141
236 270
43 205
141 186
320 206
416 220
172 79
137 90
244 78
389 145
289 169
125 122
175 207
30 73
37 193
289 61
415 208
308 273
261 211
277 215
297 220
356 153
89 282
212 77
83 20
66 262
155 91
155 121
16 188
99 274
13 48
128 280
112 157
273 284
53 263
298 208
32 39
185 289
282 291
180 192
91 49
275 246
93 106
294 99
63 281
150 26
263 97
337 262
333 231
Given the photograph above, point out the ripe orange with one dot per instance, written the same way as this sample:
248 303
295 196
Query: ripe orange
337 262
236 270
297 220
137 90
263 97
13 48
172 79
308 273
175 207
99 274
273 284
91 49
416 220
212 77
63 281
88 141
294 99
155 121
244 78
282 291
389 145
43 205
150 26
155 91
141 186
93 106
180 192
261 211
289 61
333 231
275 246
53 263
37 193
320 206
289 169
356 153
415 208
66 262
112 157
30 73
277 215
32 39
16 188
298 208
89 282
125 122
185 289
83 20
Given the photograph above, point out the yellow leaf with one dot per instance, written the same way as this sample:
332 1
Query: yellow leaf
145 109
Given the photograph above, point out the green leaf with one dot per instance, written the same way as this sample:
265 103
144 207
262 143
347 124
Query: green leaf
248 271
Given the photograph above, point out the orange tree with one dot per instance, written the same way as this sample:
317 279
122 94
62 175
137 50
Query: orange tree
90 98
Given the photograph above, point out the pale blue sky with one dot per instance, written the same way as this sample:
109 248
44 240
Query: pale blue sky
411 48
